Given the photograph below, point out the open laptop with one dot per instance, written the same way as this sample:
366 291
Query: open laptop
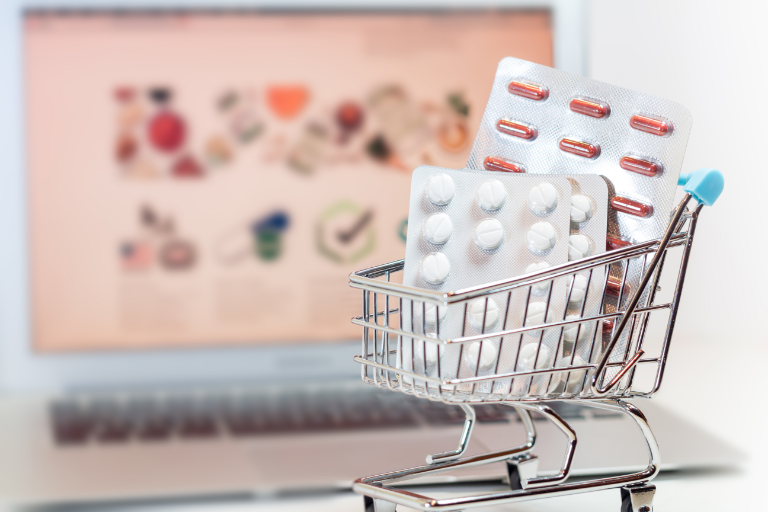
183 192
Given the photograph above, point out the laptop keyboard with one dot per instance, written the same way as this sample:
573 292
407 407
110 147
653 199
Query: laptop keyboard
82 420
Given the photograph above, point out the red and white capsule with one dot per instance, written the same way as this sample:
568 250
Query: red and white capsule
493 163
631 207
613 243
529 90
646 167
613 287
517 129
579 147
591 108
650 124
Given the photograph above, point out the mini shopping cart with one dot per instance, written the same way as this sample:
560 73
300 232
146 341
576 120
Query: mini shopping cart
604 378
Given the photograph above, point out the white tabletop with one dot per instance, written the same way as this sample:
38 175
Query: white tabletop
716 490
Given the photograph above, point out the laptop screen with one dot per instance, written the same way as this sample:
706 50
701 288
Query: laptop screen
203 178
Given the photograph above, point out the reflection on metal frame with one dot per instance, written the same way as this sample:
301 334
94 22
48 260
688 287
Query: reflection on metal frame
604 379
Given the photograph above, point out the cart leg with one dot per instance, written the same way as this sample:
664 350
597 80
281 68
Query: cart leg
654 457
466 433
522 470
377 505
637 498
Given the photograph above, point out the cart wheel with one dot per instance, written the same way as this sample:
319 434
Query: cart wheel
372 505
638 498
514 481
520 468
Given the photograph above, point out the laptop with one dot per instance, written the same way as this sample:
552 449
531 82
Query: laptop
184 192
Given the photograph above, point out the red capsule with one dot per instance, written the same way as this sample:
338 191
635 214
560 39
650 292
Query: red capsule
614 286
590 108
640 166
650 125
607 326
581 148
528 90
624 205
517 129
497 164
611 243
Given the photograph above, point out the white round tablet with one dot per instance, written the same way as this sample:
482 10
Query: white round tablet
581 209
535 315
487 357
527 357
578 247
477 310
489 234
542 198
438 228
431 349
491 195
526 360
440 189
579 290
435 268
419 308
570 331
541 237
534 267
575 377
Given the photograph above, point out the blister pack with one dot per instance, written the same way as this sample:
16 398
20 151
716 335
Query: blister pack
543 121
469 228
589 220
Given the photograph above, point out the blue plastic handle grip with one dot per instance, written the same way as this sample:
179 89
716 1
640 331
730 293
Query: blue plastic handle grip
705 185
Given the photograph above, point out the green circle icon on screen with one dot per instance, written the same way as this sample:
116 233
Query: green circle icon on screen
344 233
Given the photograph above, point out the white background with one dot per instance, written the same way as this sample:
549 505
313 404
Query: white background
712 57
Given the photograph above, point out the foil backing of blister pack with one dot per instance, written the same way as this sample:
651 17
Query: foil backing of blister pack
551 120
554 120
471 266
596 189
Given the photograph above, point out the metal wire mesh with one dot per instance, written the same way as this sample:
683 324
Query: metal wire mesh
517 358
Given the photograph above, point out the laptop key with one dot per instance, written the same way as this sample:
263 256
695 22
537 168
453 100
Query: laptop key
567 411
153 422
112 424
244 416
440 414
71 422
194 419
490 414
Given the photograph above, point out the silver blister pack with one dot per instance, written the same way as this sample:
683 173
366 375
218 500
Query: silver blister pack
549 121
589 218
589 213
471 265
543 121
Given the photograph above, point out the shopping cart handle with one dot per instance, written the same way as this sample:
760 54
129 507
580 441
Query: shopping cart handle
705 185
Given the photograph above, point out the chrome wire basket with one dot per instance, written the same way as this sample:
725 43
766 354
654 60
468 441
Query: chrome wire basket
590 357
